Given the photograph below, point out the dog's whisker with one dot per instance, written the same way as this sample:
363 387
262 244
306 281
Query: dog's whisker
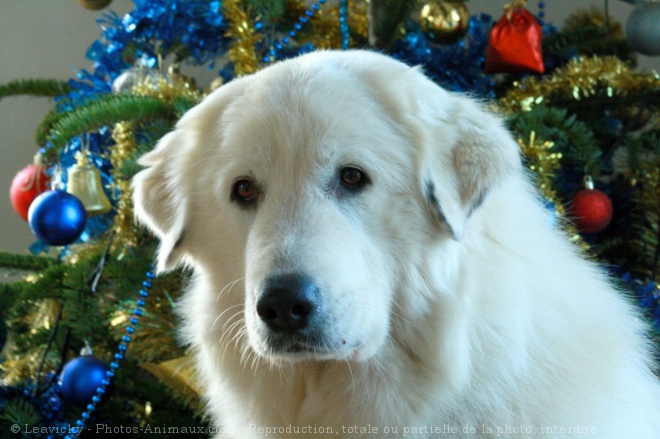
255 364
228 321
234 342
245 350
230 330
350 371
233 326
227 336
228 287
222 313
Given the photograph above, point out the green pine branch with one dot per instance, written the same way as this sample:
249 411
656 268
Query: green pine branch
35 87
19 412
600 100
9 294
588 41
573 138
16 261
642 146
386 18
49 284
106 111
183 104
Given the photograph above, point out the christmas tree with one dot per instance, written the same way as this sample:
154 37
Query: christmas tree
91 329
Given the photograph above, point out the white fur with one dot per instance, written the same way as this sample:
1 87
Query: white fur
439 324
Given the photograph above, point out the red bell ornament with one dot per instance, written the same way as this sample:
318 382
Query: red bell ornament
591 209
514 45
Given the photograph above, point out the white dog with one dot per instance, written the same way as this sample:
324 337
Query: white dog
371 261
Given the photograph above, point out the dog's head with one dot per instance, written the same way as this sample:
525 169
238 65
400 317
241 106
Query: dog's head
323 186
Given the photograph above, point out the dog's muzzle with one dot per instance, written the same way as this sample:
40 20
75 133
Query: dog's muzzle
289 304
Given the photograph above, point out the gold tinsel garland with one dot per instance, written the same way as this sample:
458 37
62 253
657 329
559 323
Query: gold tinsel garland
126 234
544 162
593 17
167 88
324 30
582 78
18 367
244 37
155 85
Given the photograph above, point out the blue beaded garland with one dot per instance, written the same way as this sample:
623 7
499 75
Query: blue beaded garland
121 348
541 13
343 24
304 19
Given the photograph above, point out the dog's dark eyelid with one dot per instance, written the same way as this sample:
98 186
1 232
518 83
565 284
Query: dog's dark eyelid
244 191
353 178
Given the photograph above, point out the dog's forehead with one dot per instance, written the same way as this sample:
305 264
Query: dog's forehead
311 115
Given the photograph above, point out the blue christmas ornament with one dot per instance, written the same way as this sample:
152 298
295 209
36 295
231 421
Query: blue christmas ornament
57 217
80 379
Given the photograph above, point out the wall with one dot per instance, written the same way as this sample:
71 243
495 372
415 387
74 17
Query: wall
46 39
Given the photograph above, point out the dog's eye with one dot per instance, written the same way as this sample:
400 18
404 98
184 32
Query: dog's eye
353 178
244 191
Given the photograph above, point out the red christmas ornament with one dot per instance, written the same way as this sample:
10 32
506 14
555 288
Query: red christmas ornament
514 45
27 185
591 209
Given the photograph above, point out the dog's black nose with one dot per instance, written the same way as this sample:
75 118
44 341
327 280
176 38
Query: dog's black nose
288 302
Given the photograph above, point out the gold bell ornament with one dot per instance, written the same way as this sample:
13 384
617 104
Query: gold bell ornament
85 183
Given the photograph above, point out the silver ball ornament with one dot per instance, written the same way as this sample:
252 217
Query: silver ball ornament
643 29
125 82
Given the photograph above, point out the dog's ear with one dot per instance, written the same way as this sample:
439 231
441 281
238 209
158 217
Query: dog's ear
465 151
161 197
159 201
